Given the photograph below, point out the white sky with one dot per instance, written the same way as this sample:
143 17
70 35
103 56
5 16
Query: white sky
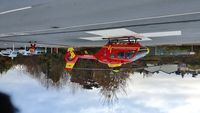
160 93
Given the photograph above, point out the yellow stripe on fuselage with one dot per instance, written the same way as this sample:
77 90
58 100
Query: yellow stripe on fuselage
114 65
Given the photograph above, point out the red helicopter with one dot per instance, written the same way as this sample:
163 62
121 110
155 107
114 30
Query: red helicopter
118 51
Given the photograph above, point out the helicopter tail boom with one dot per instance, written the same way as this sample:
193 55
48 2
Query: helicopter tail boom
71 58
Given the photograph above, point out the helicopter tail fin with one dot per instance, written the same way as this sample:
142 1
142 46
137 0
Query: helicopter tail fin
69 65
71 58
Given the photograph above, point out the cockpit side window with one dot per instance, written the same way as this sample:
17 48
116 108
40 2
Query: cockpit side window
112 55
121 55
129 54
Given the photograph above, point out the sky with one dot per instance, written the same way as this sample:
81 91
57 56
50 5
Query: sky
160 93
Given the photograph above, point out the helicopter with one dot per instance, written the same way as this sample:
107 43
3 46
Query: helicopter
117 51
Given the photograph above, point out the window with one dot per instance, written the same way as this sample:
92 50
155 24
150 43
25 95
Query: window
129 54
121 55
112 55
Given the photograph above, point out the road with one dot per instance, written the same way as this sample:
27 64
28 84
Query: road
64 22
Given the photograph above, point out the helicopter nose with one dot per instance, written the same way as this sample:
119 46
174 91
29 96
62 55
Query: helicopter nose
141 53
